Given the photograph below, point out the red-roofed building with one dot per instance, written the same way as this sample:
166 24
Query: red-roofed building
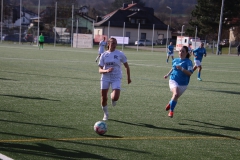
134 16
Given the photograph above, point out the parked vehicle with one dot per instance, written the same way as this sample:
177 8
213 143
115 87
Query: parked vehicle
185 41
3 36
144 42
48 39
14 38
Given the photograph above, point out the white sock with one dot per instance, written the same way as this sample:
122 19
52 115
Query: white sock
105 109
97 58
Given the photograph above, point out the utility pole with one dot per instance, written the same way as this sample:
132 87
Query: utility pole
220 28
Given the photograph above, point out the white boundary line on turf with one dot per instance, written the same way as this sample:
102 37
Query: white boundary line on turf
3 157
83 50
136 64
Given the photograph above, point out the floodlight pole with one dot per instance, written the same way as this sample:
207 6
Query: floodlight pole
170 14
1 19
182 30
167 39
55 25
72 26
123 35
220 28
38 21
20 27
196 38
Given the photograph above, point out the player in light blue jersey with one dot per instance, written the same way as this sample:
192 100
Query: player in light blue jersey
198 56
111 70
190 50
170 51
182 69
101 48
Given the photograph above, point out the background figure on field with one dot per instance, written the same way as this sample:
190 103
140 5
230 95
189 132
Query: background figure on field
29 38
41 41
101 48
220 48
190 49
182 69
238 49
170 51
110 66
198 55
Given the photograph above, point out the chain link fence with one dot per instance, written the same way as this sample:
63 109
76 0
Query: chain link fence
224 47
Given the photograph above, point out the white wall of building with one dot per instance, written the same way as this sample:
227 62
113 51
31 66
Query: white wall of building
114 31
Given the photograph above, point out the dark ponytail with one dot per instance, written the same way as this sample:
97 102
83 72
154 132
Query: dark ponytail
188 55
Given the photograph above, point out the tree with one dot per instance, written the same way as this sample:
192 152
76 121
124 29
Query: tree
64 12
236 32
6 9
207 13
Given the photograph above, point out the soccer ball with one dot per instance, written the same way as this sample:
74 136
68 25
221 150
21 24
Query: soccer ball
100 127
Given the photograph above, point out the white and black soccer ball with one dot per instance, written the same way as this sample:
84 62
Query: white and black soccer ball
100 127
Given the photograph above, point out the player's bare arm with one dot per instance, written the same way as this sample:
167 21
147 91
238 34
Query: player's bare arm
102 71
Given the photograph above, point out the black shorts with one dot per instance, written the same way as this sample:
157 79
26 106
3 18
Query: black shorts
41 43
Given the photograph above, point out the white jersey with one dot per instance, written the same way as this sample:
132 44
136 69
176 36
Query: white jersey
112 59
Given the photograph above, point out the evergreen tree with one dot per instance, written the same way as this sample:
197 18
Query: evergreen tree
206 16
64 12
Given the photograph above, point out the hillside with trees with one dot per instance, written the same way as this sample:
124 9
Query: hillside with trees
180 9
189 13
178 6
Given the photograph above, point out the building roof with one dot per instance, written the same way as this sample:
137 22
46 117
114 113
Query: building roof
132 11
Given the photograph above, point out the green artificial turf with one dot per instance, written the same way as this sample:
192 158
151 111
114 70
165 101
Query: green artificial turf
50 100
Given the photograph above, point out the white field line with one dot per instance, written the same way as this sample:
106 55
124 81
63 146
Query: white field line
3 157
147 65
49 49
46 60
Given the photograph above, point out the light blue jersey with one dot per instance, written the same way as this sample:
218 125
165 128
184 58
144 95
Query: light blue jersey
177 75
102 45
170 49
199 52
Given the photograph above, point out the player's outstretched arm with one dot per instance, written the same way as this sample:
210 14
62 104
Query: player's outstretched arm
166 76
128 72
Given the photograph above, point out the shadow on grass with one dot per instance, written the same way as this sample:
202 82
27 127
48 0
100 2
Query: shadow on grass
110 136
35 124
220 91
211 125
229 92
27 97
86 79
44 151
6 79
191 132
223 82
9 111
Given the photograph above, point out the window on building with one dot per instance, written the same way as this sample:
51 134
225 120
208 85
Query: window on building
132 20
128 34
143 35
138 21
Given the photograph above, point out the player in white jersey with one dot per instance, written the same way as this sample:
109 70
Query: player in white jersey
101 48
110 67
